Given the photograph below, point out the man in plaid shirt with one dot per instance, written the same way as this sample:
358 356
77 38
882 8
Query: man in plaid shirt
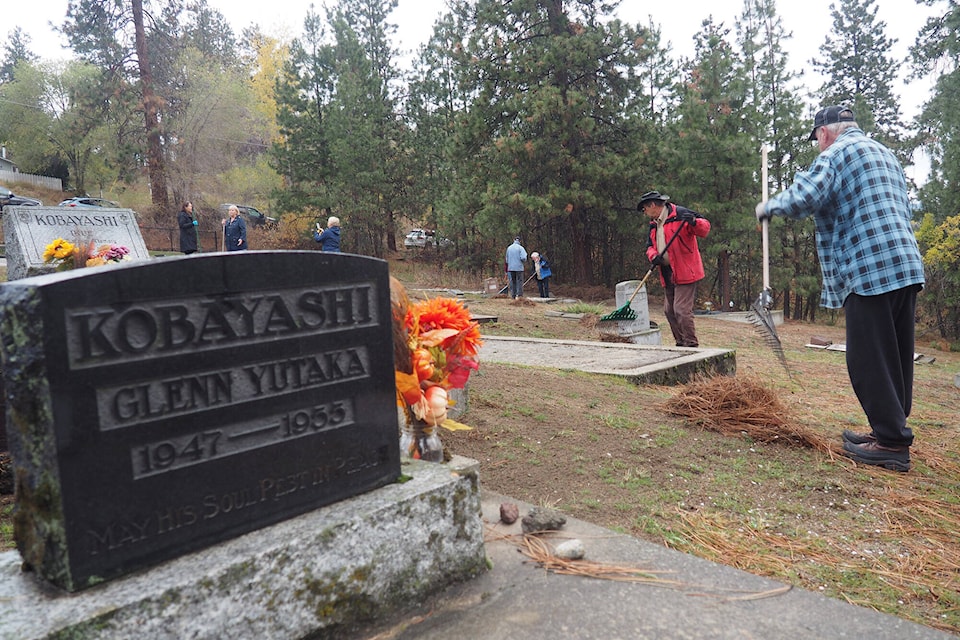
872 268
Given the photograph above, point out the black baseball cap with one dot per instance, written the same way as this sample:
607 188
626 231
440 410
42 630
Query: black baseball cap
831 115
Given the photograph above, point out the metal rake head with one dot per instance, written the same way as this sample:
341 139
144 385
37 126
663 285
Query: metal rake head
762 319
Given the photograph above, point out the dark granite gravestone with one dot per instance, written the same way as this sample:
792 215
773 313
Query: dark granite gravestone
159 407
28 230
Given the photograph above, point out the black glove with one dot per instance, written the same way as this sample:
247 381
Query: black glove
687 217
657 260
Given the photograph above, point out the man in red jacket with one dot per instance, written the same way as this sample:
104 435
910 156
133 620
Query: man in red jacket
672 245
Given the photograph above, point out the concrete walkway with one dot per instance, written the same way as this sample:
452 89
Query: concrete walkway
518 599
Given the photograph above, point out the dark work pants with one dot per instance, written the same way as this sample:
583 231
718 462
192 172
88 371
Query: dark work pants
516 284
880 334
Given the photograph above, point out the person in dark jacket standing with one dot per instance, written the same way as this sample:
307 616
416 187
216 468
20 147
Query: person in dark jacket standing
329 238
188 229
234 230
681 267
857 193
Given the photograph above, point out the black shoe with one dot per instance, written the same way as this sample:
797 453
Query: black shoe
893 458
858 438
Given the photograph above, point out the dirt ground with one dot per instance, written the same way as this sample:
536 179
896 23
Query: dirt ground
606 451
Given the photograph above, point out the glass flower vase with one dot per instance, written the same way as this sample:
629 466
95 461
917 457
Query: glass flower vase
420 441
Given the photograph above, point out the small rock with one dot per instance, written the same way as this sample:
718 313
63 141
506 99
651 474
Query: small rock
820 341
570 550
956 381
509 512
542 520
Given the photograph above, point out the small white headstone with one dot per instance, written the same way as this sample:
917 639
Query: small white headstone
637 330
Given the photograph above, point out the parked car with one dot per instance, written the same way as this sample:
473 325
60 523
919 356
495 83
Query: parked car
9 198
419 238
253 216
87 202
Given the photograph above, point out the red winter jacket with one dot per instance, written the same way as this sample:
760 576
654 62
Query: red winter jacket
684 253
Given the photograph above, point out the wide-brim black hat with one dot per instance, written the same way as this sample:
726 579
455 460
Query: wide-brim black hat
650 196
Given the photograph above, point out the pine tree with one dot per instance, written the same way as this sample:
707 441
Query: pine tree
16 49
860 73
542 147
937 51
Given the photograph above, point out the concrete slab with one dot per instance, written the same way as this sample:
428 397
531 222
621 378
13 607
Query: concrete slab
519 599
739 316
313 576
641 364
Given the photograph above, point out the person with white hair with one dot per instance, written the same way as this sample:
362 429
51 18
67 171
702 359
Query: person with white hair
329 238
858 196
234 230
542 269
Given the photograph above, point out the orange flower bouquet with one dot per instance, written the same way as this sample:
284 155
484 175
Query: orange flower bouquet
435 350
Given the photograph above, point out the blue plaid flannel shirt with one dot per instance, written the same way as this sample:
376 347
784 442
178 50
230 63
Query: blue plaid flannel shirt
857 195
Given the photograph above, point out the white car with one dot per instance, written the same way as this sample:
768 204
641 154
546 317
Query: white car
422 237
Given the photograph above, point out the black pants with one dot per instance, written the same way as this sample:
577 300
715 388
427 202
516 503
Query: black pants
544 287
880 348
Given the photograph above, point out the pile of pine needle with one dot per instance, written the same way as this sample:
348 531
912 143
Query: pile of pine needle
736 406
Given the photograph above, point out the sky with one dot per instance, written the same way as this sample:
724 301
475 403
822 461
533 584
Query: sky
809 20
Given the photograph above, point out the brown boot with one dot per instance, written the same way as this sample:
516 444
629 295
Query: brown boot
893 458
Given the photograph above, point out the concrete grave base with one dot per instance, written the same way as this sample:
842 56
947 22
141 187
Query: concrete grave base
640 364
317 575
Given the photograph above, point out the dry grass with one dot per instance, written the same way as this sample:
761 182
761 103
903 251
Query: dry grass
742 406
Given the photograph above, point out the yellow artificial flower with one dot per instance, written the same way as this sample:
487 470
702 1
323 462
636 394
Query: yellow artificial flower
59 249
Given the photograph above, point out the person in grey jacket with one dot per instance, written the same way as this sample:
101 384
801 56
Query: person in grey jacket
516 256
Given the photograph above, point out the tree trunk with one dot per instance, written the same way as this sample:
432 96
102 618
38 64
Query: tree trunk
151 107
723 269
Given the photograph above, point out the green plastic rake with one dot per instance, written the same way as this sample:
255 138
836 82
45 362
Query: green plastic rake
624 312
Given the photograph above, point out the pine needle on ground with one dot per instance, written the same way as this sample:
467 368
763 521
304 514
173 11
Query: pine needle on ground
743 406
